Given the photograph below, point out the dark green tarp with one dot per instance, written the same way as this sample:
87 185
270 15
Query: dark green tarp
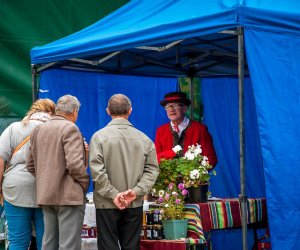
25 24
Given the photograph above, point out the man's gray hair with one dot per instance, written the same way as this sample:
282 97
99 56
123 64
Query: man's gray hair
67 104
119 104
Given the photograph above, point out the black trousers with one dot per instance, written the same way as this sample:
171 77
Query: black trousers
119 229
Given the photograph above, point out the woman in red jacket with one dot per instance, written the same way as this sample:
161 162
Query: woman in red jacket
181 130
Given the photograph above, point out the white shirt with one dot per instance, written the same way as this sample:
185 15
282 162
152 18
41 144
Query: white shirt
182 126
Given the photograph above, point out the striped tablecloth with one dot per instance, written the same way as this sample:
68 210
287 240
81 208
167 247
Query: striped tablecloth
221 214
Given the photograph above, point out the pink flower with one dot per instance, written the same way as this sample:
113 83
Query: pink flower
180 186
160 200
184 192
177 201
167 197
171 186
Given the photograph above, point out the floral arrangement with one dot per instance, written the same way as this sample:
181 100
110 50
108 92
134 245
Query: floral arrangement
171 201
192 169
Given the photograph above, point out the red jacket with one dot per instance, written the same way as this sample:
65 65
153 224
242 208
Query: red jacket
195 133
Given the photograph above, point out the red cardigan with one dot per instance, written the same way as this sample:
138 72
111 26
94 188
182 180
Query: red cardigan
195 133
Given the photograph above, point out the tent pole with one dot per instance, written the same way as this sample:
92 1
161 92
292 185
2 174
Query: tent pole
191 90
242 196
33 82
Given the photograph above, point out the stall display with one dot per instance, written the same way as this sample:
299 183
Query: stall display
202 219
214 215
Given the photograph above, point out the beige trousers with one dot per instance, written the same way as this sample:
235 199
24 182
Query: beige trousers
63 225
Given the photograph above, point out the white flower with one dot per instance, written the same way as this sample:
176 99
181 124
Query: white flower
194 174
177 149
188 155
166 205
198 150
204 172
205 161
161 193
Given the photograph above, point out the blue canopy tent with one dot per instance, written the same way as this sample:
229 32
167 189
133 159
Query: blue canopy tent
200 39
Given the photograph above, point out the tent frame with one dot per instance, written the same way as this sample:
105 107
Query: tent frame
242 196
95 65
192 57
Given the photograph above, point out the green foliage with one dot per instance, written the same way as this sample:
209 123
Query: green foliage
192 170
168 173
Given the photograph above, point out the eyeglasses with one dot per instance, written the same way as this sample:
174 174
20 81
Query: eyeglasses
173 106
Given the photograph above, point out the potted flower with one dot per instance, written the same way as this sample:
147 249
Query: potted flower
192 169
171 205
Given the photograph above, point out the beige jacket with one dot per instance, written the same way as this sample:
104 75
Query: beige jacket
121 158
57 159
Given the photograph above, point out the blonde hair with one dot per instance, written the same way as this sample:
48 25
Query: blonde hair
42 105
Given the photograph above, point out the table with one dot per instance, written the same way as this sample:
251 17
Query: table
221 214
212 215
203 218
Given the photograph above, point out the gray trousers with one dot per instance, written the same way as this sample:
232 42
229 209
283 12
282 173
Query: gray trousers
63 225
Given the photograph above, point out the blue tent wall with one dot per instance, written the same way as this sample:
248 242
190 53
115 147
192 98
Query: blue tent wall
274 70
220 100
93 91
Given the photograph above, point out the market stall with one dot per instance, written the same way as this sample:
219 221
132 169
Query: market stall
175 38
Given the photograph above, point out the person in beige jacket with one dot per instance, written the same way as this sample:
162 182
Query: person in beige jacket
57 160
124 168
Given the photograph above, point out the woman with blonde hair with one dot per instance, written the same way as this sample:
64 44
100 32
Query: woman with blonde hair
16 183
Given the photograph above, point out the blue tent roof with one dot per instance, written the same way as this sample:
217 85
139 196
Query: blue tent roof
159 23
141 23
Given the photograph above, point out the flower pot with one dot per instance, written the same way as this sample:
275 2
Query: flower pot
198 194
175 229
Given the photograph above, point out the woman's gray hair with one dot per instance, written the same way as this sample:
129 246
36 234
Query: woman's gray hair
67 104
119 104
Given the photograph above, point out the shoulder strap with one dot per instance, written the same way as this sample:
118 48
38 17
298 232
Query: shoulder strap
20 145
16 150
